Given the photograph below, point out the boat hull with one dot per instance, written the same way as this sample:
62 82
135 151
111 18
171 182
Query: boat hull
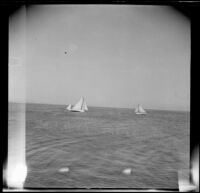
141 113
76 110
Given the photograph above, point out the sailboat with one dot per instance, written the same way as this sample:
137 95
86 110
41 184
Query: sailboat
140 111
80 106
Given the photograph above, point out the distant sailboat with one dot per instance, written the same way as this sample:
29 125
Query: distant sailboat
140 111
80 106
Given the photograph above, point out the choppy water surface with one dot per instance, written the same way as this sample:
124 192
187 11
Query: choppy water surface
97 146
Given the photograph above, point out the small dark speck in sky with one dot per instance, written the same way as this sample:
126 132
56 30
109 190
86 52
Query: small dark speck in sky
65 52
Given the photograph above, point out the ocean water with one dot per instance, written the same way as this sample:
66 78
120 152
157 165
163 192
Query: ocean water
92 149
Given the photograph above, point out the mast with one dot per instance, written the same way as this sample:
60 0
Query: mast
82 103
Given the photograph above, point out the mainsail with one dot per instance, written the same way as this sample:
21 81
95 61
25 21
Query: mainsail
140 110
80 106
85 106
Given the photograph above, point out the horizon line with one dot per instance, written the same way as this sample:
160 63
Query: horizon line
183 110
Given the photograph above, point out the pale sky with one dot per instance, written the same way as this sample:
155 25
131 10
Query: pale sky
117 56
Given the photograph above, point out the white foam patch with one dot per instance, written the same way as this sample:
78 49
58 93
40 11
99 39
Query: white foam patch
66 169
127 171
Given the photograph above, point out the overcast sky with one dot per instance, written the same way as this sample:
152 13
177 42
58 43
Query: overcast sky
113 55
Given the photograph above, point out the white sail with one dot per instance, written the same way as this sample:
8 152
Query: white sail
136 110
79 105
140 110
69 107
85 106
